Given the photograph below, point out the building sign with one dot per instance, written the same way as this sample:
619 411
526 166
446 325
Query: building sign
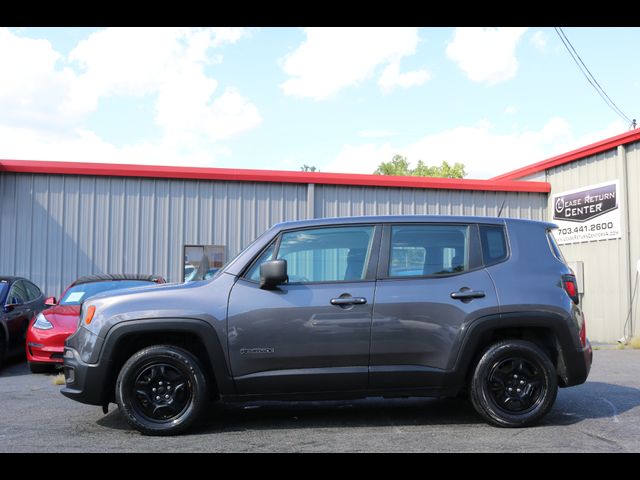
587 214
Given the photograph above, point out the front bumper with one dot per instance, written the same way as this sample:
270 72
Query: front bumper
84 382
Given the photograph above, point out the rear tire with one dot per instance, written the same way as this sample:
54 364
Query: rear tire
42 367
514 384
3 348
161 390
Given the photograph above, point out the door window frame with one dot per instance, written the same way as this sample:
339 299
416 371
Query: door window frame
474 254
371 268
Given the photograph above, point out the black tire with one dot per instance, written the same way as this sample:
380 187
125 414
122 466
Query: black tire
42 367
161 390
514 384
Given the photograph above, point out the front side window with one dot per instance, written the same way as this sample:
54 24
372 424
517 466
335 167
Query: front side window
327 254
424 250
253 273
17 294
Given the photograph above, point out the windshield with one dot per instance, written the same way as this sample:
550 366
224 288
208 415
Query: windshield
79 293
4 286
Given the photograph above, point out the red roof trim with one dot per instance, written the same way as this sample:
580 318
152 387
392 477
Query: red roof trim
234 174
573 155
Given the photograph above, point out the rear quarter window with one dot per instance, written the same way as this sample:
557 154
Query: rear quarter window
494 243
555 249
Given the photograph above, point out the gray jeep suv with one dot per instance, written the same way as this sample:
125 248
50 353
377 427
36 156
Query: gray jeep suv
344 308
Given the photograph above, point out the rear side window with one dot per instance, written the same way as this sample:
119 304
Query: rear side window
494 243
32 291
423 250
554 247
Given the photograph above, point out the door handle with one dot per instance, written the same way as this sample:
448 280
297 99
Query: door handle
467 294
348 301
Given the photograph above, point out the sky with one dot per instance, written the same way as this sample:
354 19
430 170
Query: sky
340 99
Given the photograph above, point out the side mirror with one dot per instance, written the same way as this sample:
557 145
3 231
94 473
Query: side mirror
51 301
273 273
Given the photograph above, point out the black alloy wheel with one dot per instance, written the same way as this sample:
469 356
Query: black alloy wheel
161 390
514 384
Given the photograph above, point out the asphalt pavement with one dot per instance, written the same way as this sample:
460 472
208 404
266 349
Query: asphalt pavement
603 415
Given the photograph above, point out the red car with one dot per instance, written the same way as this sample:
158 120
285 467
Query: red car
50 328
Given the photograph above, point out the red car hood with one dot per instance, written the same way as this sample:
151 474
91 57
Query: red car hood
63 317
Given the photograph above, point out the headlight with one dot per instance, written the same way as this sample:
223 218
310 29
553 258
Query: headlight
42 323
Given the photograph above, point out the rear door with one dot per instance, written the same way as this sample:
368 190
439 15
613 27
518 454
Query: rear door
431 284
312 333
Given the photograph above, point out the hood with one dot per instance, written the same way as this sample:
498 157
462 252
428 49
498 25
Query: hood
173 300
63 317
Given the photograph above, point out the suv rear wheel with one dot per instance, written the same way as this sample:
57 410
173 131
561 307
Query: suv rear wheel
514 384
161 390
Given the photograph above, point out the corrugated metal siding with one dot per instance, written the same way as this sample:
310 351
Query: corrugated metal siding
56 228
339 200
633 175
605 300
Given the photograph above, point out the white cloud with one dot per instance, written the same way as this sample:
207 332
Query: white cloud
391 77
484 152
331 59
486 55
47 97
510 110
539 40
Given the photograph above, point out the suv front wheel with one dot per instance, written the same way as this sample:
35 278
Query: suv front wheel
514 384
161 390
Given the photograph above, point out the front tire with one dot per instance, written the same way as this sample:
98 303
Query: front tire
161 390
514 384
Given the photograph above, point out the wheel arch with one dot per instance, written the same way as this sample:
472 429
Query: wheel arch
548 330
193 335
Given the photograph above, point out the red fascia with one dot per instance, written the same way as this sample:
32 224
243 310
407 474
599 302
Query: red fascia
571 156
278 176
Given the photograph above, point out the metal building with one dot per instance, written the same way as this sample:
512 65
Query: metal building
62 220
610 265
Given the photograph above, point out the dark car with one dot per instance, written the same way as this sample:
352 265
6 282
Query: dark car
51 327
20 301
343 308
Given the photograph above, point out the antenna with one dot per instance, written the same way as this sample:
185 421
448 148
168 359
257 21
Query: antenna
502 206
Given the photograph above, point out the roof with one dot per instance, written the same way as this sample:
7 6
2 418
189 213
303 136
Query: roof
369 219
277 176
582 152
115 276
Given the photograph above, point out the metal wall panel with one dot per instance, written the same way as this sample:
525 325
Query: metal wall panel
606 298
340 200
633 176
56 228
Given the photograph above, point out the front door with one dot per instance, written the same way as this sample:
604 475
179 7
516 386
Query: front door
312 333
432 284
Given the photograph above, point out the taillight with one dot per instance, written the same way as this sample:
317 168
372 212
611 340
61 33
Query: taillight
571 287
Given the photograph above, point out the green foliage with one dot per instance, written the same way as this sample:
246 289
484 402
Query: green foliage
399 165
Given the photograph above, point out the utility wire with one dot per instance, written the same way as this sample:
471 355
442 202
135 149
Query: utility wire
589 76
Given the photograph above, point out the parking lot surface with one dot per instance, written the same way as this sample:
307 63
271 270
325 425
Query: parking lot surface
603 415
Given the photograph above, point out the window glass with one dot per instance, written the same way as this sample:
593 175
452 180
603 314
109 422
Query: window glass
18 293
327 254
494 243
554 247
418 250
33 291
254 272
202 262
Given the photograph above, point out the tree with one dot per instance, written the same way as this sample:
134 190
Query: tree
309 168
399 165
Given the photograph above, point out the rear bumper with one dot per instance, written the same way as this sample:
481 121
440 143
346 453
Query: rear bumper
578 365
83 381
